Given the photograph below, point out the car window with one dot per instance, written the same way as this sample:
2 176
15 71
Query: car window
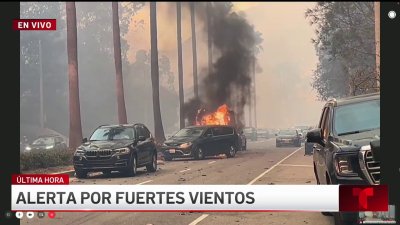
208 132
113 133
227 130
190 132
217 131
325 128
44 141
357 117
146 132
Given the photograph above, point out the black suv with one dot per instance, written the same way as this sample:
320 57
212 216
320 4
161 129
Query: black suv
342 144
116 147
201 141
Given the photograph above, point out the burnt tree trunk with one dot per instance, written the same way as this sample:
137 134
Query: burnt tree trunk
75 126
158 126
194 49
180 66
122 119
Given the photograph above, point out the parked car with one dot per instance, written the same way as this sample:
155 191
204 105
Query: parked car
288 137
48 142
200 141
250 133
344 145
121 148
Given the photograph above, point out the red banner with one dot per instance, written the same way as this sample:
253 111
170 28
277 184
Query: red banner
35 24
363 198
40 179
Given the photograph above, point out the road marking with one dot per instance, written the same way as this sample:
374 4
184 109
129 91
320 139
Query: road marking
145 182
272 167
295 165
185 170
196 221
211 162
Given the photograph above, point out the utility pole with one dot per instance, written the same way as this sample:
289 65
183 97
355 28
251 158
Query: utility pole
41 86
377 6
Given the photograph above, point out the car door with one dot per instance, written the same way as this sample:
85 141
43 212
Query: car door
318 149
208 142
149 144
218 140
140 146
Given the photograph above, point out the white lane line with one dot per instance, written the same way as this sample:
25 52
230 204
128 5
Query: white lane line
294 165
196 221
211 162
272 167
184 170
145 182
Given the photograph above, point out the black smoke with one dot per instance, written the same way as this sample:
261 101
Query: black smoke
229 79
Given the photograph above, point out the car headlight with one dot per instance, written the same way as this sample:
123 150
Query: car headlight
344 165
79 152
28 148
50 147
185 145
121 150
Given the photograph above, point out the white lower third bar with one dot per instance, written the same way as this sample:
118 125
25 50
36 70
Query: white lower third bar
176 197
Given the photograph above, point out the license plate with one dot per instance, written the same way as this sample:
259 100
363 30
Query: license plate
172 151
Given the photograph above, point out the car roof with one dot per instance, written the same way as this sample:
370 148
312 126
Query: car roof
121 125
353 99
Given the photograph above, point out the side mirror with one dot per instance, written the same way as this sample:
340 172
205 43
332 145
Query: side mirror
84 140
141 138
314 136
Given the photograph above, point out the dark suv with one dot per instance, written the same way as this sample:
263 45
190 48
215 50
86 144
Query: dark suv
201 141
122 148
342 144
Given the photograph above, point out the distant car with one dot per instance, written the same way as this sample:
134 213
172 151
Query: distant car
263 133
201 141
250 133
121 148
288 137
50 142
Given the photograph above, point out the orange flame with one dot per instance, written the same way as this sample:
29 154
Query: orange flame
220 117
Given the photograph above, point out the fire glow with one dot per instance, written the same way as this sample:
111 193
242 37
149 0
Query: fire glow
220 117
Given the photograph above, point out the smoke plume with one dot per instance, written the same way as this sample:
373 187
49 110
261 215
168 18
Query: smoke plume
229 79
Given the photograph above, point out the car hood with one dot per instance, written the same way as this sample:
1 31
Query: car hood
179 140
97 145
359 139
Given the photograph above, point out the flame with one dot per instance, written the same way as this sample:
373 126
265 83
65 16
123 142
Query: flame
220 117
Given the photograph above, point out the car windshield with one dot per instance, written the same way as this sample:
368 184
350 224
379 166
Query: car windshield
190 132
113 133
44 141
357 117
287 132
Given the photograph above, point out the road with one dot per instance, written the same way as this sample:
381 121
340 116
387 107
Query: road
263 163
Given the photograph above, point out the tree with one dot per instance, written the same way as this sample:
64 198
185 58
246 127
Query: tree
158 126
118 66
180 66
75 127
345 37
194 49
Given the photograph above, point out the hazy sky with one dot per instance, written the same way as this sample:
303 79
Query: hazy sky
284 94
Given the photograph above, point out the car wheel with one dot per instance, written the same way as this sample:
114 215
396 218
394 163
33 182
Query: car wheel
132 170
81 174
231 152
168 158
339 220
199 153
152 167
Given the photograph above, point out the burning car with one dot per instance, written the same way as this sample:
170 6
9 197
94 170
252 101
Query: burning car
201 141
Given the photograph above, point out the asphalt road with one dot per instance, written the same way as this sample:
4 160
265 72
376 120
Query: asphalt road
263 163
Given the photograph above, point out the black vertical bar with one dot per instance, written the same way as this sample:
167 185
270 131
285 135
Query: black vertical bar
9 161
390 46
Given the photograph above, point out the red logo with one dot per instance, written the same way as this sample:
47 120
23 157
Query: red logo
35 24
51 215
363 198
